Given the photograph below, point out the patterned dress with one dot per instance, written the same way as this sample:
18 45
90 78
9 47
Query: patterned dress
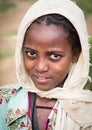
14 110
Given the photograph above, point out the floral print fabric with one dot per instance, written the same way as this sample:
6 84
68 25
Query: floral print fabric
52 117
14 110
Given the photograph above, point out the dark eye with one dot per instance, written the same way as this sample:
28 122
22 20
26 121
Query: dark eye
30 53
55 56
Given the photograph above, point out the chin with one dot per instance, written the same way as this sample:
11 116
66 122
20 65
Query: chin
44 89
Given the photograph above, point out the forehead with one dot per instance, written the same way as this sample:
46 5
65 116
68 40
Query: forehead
45 36
46 31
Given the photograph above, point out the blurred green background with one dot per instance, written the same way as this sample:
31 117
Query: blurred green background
11 13
84 4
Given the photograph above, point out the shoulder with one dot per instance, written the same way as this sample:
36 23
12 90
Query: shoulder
11 97
7 92
10 86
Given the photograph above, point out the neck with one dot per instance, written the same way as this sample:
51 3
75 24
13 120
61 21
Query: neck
44 101
62 82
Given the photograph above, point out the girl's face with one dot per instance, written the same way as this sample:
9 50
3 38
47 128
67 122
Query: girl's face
47 55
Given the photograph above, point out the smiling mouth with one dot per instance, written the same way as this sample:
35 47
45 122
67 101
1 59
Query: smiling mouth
41 79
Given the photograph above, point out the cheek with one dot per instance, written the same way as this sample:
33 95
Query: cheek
62 69
27 65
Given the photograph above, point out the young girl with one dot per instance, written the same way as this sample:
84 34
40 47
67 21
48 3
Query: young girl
52 63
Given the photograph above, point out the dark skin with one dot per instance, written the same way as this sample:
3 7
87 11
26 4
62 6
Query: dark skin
47 58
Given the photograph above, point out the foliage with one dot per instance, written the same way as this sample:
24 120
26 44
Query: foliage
90 42
85 5
6 5
89 84
8 53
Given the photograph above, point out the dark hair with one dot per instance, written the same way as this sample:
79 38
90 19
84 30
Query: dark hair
60 20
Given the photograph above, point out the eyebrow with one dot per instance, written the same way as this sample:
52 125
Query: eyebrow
30 49
50 52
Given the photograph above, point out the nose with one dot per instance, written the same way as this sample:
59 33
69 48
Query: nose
41 65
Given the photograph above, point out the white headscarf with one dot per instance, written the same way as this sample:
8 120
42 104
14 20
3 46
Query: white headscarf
75 102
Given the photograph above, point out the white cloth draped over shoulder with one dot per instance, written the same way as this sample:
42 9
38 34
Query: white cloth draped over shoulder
75 102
